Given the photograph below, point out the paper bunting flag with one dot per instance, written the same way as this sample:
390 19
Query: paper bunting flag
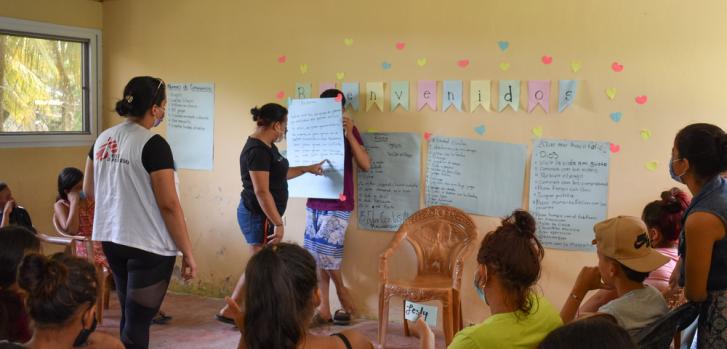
350 91
567 93
452 94
325 86
479 94
375 95
509 94
302 90
427 94
400 95
538 94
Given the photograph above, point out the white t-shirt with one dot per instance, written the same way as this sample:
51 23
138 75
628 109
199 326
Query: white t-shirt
637 309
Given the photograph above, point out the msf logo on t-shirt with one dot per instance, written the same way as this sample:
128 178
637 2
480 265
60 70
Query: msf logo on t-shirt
109 152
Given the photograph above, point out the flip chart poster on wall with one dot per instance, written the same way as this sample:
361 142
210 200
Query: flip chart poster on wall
315 134
190 125
479 177
389 192
568 191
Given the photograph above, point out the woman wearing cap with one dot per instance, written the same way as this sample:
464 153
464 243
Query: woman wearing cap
698 157
625 259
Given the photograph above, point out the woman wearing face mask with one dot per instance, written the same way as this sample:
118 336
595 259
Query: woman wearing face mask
508 269
264 172
699 156
61 302
138 218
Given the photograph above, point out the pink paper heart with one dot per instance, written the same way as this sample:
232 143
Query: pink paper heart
339 97
615 148
400 45
342 197
280 94
282 59
641 99
617 67
427 136
547 59
463 63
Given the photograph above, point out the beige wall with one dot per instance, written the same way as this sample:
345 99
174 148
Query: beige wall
32 172
672 51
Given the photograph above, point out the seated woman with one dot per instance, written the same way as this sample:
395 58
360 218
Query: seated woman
509 267
10 211
663 218
61 302
280 296
594 332
15 242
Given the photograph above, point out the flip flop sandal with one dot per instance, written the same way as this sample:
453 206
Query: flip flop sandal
341 317
161 319
319 321
224 319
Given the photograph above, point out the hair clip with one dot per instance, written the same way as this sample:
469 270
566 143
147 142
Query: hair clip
129 98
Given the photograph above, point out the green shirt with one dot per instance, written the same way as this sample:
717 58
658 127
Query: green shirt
508 330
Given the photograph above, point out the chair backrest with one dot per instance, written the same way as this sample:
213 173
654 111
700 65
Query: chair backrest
660 334
441 237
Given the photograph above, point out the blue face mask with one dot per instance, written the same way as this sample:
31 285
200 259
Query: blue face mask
480 291
673 174
82 195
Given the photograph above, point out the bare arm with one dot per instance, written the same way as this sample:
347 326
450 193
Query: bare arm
315 169
588 279
360 155
88 179
67 216
261 185
702 230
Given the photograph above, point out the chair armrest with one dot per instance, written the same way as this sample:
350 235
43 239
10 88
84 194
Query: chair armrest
459 265
384 257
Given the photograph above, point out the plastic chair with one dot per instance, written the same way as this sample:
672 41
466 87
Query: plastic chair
662 332
441 237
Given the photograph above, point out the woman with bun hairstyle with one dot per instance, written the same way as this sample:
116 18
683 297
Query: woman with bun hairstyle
61 300
138 218
509 262
15 242
265 174
698 157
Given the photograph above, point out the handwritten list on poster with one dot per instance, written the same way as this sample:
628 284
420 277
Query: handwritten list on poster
389 192
479 177
568 191
315 134
190 125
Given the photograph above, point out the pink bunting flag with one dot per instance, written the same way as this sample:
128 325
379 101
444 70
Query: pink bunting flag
538 94
427 94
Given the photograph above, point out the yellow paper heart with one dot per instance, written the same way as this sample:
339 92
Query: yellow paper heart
421 62
504 66
538 131
339 76
611 92
373 130
303 68
576 66
645 134
348 42
651 165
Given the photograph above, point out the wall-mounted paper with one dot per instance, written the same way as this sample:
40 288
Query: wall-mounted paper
567 93
479 177
479 94
538 94
351 92
389 192
190 126
375 95
400 95
452 94
302 90
568 191
509 94
427 94
315 133
325 86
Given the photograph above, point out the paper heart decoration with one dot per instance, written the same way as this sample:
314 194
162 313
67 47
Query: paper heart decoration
339 97
400 45
546 59
282 59
372 130
427 136
342 197
340 76
463 63
641 99
538 131
303 68
651 165
611 93
617 67
645 134
421 62
504 66
503 45
615 148
280 94
480 130
575 66
616 116
348 42
386 65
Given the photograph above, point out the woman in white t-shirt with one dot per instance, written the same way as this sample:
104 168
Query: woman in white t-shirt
138 218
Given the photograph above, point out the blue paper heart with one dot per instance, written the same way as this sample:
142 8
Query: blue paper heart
616 116
386 65
503 45
480 130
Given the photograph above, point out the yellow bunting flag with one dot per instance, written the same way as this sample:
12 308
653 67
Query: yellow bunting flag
479 94
375 95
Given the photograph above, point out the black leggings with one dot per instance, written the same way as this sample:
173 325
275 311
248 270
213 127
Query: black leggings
141 280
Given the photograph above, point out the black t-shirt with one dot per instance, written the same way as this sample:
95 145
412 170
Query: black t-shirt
19 216
258 156
156 154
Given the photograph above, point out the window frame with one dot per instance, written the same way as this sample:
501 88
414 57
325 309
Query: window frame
92 71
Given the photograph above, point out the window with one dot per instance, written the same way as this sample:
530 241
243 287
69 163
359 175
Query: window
49 84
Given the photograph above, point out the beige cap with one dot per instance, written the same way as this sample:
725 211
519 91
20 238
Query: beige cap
625 239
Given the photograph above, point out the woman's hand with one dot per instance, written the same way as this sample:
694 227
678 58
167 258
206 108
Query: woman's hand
589 279
236 313
425 334
8 209
74 196
347 126
316 169
189 267
277 235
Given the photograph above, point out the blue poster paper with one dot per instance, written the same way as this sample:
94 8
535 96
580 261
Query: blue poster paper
389 192
509 94
315 134
351 92
568 191
190 125
452 94
479 177
567 93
